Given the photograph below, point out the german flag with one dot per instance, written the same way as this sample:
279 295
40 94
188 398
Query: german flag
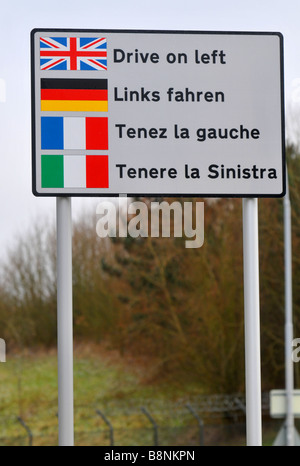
74 95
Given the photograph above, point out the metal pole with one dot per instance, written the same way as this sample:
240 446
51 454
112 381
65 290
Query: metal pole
252 322
64 322
26 427
154 425
200 424
111 430
289 369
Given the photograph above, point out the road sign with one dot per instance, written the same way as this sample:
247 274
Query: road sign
278 409
278 403
2 350
157 113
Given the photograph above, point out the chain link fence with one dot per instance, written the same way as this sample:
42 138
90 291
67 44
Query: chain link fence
216 420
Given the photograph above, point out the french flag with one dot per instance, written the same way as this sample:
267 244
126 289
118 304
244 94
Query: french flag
82 133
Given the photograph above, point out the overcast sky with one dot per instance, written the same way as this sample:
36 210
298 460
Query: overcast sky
19 208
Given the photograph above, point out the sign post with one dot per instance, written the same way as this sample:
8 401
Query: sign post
160 113
252 322
289 365
64 322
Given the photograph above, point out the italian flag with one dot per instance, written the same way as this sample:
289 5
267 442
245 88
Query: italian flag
74 171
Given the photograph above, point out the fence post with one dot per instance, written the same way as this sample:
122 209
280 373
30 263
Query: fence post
111 430
155 427
200 423
30 436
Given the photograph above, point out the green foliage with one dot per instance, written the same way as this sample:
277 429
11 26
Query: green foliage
179 309
28 289
184 307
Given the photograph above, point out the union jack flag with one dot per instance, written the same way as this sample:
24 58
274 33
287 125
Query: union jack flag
73 53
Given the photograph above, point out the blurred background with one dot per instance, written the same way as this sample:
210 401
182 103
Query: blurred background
158 328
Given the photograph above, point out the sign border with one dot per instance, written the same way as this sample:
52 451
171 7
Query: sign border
157 31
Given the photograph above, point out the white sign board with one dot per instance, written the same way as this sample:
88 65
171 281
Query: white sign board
157 113
2 350
278 403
